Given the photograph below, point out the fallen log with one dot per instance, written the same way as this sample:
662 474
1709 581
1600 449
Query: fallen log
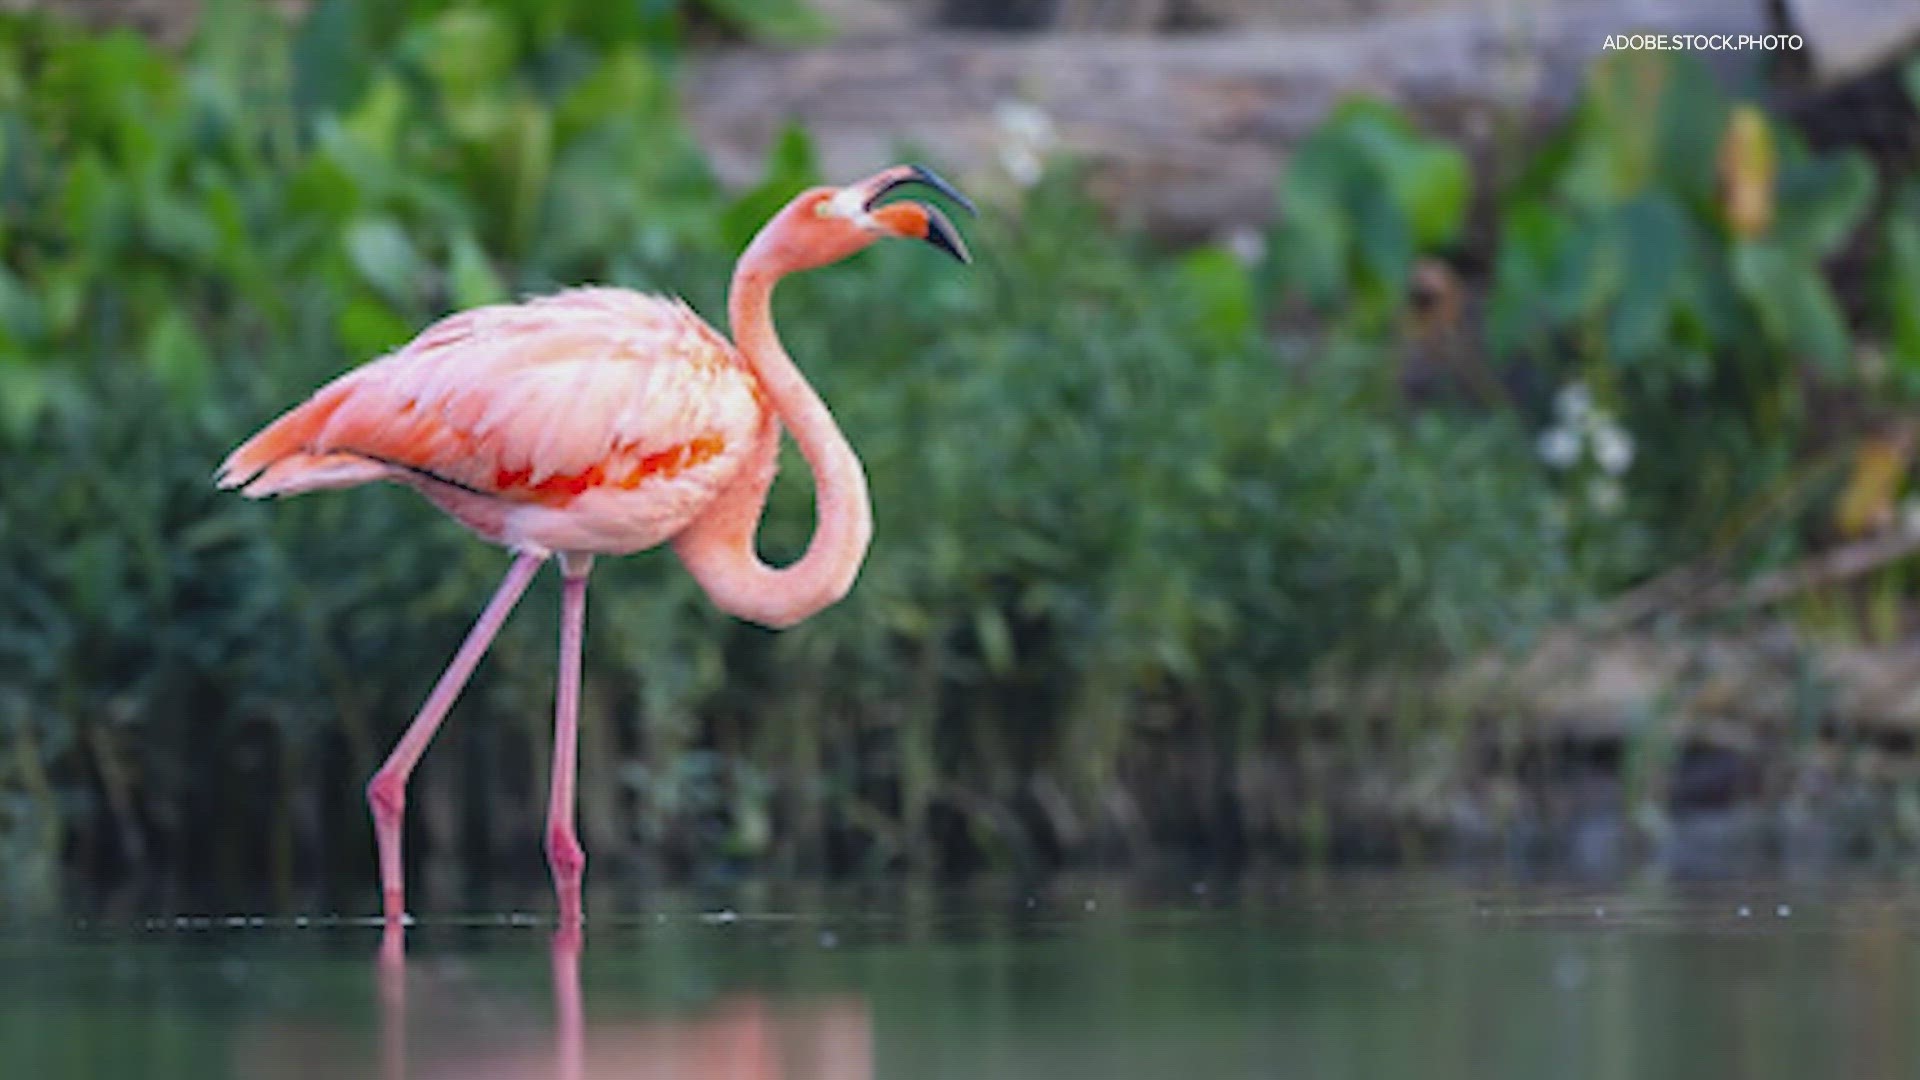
1183 133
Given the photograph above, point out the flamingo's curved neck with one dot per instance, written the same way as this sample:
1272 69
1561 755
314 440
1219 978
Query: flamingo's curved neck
718 548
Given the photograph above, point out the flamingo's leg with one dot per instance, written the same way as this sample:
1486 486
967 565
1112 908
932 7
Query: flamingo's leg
392 978
569 1023
387 791
564 853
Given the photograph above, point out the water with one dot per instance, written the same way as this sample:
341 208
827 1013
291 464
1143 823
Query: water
1374 976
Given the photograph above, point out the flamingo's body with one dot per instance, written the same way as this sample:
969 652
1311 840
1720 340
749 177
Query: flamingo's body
595 421
601 422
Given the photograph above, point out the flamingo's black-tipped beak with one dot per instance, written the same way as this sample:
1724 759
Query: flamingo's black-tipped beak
916 174
913 218
942 234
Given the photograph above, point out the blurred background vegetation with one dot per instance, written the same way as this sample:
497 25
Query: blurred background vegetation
1142 506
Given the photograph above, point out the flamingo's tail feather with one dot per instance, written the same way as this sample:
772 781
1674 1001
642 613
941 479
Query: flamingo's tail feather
282 459
297 474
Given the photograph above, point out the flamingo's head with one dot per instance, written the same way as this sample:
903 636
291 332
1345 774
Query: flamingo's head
824 225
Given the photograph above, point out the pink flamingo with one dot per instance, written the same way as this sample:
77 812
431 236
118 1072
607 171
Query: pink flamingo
602 421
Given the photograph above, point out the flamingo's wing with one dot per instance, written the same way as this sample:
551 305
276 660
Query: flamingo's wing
530 402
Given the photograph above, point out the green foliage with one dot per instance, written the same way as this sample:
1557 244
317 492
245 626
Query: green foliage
1218 295
790 168
1900 284
1113 516
1361 197
1668 248
1066 440
192 244
1104 505
1617 238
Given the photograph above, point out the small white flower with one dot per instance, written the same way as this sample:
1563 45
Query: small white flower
1021 164
1605 494
1612 446
1024 122
1247 245
1560 447
1026 135
1573 403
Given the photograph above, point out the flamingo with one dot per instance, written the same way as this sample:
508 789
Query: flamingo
602 421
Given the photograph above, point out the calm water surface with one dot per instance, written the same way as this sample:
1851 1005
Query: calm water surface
1378 976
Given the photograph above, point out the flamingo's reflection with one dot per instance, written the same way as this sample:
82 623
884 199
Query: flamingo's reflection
742 1037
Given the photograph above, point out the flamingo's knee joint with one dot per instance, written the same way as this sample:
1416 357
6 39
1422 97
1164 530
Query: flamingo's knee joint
565 854
386 797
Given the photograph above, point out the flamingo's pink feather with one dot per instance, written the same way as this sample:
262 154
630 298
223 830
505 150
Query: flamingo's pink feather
593 420
504 399
297 474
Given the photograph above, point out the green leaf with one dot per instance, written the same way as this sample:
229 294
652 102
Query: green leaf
1532 235
1618 123
996 641
1383 242
1910 76
1695 111
25 393
1820 201
64 288
1219 292
371 132
623 87
1434 186
472 277
1584 271
1795 309
466 50
19 312
179 226
790 167
1656 256
328 64
1312 243
1900 277
367 327
321 190
227 218
92 202
529 144
386 259
175 353
1361 197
